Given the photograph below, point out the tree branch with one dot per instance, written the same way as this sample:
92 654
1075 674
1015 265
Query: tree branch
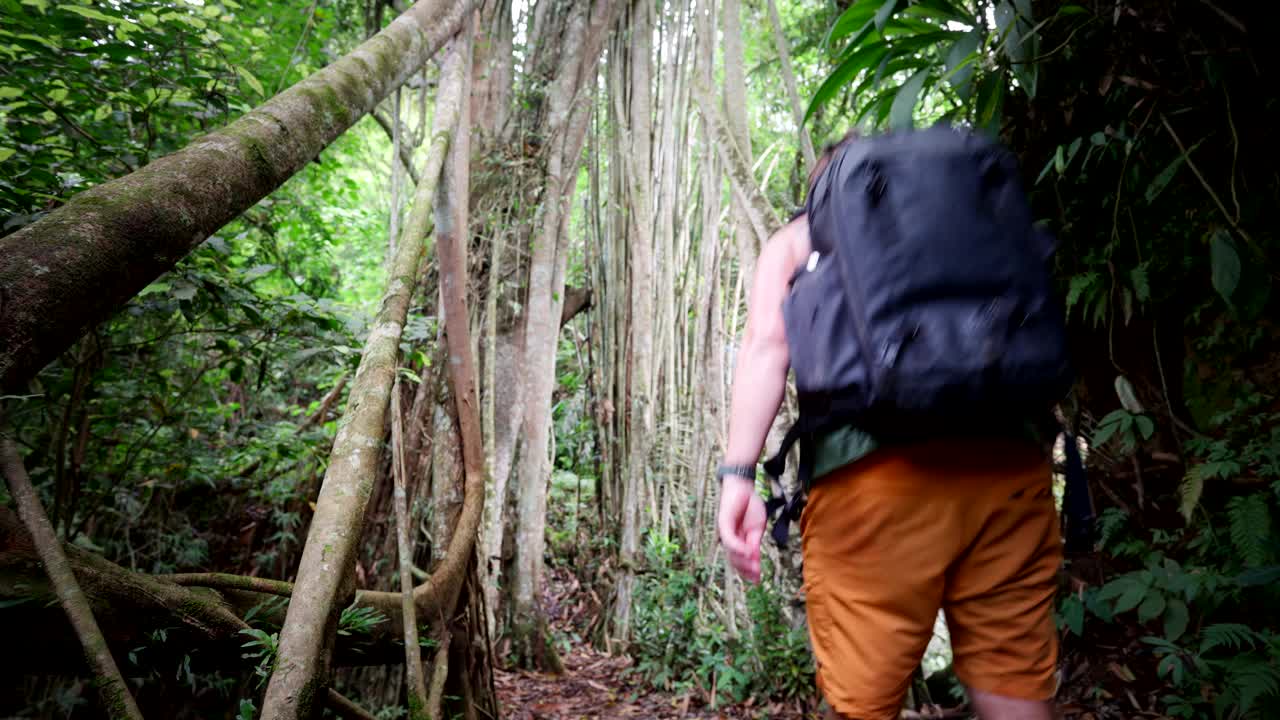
345 708
406 153
116 698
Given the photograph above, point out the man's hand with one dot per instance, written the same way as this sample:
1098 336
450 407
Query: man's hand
741 524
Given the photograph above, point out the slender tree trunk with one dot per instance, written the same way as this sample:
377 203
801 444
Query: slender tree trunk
117 701
639 408
324 580
739 131
789 79
417 689
73 267
568 111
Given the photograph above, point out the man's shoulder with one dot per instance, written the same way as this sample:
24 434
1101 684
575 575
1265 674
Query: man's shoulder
790 243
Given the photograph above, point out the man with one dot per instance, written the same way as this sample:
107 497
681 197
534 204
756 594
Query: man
898 531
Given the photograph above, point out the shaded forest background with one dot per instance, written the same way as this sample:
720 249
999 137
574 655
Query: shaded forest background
479 273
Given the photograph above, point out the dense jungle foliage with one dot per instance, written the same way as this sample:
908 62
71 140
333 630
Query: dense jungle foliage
190 432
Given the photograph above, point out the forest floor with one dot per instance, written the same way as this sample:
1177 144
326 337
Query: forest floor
598 685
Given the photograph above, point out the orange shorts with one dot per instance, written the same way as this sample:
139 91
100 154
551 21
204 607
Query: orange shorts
966 526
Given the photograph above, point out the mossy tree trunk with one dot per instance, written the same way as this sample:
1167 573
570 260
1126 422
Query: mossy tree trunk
78 264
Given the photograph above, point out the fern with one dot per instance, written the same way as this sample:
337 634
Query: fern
1250 527
1232 635
1253 680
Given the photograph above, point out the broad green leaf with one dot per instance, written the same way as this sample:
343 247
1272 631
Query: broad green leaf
6 153
257 271
1158 185
253 81
1135 593
1067 10
1175 619
904 103
1106 429
58 94
41 5
90 13
149 19
7 93
1151 607
155 287
1073 615
1224 264
1146 426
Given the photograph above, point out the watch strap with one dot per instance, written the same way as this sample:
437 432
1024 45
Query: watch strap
744 471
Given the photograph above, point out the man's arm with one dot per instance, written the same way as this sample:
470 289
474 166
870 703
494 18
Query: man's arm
760 374
759 380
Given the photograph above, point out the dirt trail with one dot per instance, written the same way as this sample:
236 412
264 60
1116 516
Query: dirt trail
596 685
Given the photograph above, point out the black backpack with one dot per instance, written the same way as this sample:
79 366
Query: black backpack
927 305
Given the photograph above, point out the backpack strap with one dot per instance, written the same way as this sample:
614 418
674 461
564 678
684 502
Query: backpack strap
779 507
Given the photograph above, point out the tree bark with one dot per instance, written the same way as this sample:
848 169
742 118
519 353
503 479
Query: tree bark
789 79
414 679
324 573
117 701
72 268
567 113
763 220
739 131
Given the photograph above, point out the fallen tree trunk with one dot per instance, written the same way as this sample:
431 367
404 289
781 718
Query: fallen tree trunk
78 264
194 619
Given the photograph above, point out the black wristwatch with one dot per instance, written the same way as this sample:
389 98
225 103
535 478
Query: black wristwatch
742 471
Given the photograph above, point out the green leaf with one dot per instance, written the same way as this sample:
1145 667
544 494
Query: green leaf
1175 619
156 287
845 72
1133 595
1224 264
856 16
8 93
904 103
1138 279
1146 426
1106 429
251 80
90 13
1158 185
257 271
1151 607
960 61
886 11
990 102
1073 615
6 153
